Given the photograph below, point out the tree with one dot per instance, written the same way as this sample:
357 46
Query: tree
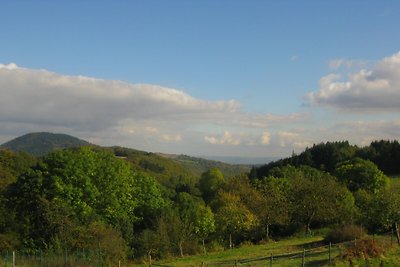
315 196
210 182
274 208
232 217
204 224
358 174
380 210
92 184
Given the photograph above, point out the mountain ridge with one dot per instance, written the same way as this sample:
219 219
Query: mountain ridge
42 143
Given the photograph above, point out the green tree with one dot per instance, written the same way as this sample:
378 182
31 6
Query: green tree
380 210
275 208
210 182
92 184
358 174
204 224
315 196
232 217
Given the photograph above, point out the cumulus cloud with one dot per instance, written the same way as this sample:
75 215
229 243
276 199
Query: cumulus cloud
227 138
110 112
266 138
375 89
44 97
338 63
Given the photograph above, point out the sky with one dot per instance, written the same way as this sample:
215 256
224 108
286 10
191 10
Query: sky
213 78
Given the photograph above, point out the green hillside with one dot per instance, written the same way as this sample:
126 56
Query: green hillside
172 170
164 167
42 143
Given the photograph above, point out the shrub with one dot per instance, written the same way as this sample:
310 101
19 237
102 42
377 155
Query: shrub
345 233
363 248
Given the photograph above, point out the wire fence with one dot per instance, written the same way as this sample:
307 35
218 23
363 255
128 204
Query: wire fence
307 256
324 255
77 258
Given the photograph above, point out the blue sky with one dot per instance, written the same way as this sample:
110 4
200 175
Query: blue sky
225 78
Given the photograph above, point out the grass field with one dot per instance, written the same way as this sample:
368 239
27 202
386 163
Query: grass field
286 253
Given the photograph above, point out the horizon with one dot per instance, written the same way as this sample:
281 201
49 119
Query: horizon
219 79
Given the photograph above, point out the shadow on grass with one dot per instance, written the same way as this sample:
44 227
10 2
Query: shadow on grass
316 263
313 244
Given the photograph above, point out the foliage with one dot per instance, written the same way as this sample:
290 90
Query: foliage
385 154
210 182
232 217
361 174
322 156
40 144
343 233
316 197
364 248
274 208
133 203
103 238
325 156
380 210
86 183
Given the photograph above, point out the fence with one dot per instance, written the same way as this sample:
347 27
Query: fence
315 256
79 258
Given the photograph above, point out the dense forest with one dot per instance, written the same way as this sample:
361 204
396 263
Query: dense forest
130 205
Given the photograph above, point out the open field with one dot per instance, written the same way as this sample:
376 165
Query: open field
288 252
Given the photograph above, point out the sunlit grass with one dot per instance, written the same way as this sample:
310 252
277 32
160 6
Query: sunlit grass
293 245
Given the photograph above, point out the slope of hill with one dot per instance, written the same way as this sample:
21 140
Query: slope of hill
200 165
162 166
40 144
170 166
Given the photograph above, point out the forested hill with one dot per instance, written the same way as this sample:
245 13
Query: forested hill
42 143
158 165
325 156
165 167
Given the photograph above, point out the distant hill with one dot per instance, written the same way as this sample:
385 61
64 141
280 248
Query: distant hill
161 166
40 144
164 166
200 165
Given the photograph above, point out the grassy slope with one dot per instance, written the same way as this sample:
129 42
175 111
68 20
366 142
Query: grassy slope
287 246
292 245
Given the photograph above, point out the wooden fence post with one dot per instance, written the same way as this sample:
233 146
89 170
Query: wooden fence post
330 255
303 259
271 260
13 258
149 258
6 259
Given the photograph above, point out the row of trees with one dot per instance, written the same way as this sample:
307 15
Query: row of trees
88 198
325 156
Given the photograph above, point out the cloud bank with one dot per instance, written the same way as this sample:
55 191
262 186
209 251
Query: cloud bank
375 89
116 112
156 118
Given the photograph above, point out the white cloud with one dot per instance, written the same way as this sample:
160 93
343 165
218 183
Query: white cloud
10 66
108 112
41 97
266 138
227 138
377 89
172 138
338 63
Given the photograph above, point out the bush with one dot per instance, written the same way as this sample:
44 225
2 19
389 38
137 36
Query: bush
345 233
363 248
